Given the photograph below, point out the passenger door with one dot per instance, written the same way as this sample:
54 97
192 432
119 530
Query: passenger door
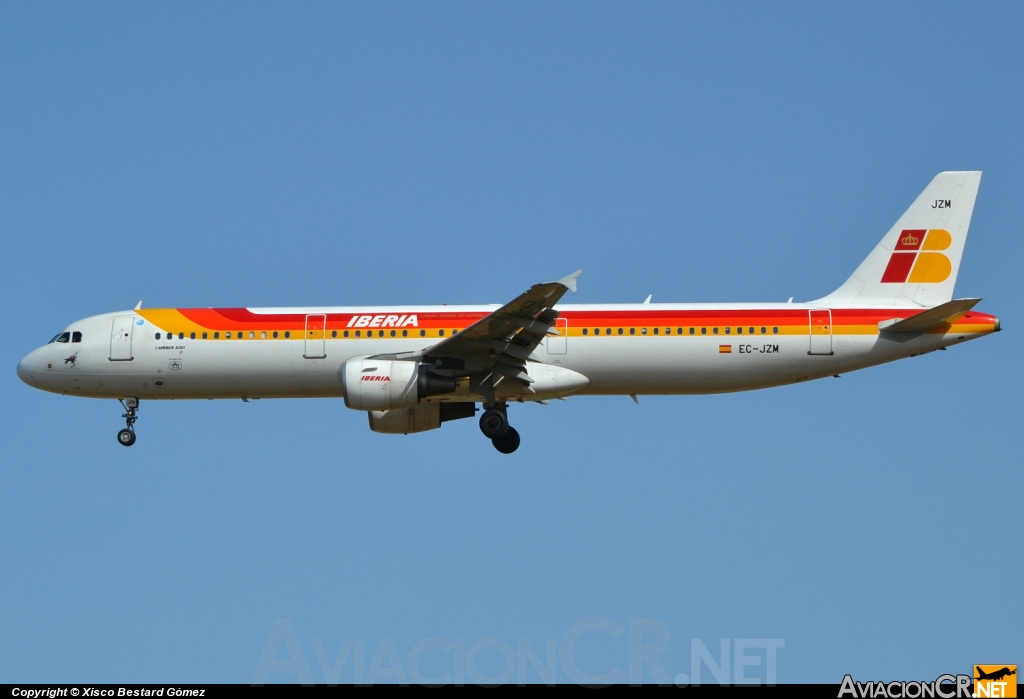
316 329
121 338
821 332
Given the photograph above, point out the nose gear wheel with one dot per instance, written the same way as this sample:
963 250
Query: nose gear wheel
126 437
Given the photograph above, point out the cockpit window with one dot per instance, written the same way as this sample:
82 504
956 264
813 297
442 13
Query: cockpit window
63 337
76 336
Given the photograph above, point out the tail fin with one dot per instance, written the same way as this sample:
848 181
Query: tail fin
918 259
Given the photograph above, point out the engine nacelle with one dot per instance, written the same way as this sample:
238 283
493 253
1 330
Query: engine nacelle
385 384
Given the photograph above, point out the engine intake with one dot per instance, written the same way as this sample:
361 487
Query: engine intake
384 384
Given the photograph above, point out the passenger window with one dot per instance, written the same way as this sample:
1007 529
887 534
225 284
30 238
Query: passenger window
714 330
204 336
607 331
632 331
392 333
275 334
763 331
357 333
620 331
584 331
739 331
157 336
345 333
263 335
691 331
703 331
192 336
423 333
405 333
216 336
287 334
656 331
440 333
775 331
334 333
252 335
181 336
751 331
76 337
227 336
728 330
380 334
643 331
679 331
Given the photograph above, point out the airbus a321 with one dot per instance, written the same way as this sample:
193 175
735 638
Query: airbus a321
412 368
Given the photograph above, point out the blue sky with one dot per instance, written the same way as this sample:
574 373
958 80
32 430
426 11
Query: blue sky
248 154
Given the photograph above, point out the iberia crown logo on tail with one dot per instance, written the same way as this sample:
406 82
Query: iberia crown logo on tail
916 259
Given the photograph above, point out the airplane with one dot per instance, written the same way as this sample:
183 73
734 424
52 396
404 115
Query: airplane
413 368
996 675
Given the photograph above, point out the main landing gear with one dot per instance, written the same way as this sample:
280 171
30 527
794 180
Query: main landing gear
127 436
494 425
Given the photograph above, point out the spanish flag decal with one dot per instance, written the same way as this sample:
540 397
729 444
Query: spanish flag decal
725 349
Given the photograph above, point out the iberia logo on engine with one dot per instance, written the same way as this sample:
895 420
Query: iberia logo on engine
916 259
375 377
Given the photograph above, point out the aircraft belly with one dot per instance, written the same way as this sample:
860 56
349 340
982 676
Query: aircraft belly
652 365
247 369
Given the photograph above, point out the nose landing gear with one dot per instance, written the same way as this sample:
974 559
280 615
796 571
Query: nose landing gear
126 437
494 425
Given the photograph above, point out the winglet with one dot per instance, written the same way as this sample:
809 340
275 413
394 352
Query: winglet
138 305
570 281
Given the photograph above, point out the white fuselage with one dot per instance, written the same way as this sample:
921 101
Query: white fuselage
619 352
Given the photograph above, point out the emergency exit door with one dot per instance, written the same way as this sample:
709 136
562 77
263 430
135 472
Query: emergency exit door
821 332
556 343
316 330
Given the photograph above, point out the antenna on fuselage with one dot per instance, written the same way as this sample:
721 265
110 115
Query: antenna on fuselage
138 305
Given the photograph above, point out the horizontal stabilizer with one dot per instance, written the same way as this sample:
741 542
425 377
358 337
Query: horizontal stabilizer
930 319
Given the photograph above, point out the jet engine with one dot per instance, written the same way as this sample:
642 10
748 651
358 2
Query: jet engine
386 384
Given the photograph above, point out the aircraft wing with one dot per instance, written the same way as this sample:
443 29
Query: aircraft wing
500 342
932 318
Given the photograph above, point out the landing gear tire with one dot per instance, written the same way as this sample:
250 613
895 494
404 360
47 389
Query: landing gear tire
508 443
126 437
494 424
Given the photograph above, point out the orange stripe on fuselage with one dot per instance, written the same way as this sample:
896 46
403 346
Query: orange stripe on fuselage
844 321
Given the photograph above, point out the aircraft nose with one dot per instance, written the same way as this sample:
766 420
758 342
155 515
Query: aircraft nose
24 371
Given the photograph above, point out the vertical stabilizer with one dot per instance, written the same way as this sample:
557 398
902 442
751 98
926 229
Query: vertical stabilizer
918 259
